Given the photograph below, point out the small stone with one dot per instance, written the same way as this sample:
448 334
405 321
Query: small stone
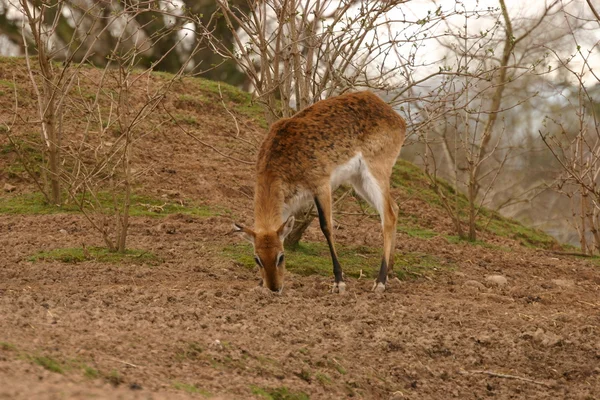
497 298
497 280
563 283
63 231
546 339
9 188
263 292
475 284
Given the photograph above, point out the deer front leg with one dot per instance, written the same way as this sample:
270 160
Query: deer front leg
324 205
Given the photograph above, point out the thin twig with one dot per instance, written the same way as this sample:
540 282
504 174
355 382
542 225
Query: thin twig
587 304
237 127
507 376
123 362
202 142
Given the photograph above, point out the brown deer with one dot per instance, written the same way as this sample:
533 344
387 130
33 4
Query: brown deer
353 138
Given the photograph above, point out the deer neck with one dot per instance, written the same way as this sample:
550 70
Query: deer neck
268 203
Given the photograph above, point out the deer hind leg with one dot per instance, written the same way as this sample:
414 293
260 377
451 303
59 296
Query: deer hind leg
374 188
324 206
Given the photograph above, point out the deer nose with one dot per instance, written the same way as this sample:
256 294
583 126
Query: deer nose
277 290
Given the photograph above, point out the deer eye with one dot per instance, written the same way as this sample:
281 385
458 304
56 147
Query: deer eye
280 259
258 262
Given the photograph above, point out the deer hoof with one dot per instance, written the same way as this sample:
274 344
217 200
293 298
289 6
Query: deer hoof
379 287
338 287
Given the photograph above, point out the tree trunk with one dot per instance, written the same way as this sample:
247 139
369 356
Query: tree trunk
50 134
472 199
303 220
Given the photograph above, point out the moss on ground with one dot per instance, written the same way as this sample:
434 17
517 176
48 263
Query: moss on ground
49 363
77 254
190 388
141 206
280 393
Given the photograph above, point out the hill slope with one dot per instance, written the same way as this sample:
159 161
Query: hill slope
180 316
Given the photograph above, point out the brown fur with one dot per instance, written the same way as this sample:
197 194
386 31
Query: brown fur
300 154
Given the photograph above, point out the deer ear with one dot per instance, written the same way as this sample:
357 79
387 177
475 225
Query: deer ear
286 228
244 232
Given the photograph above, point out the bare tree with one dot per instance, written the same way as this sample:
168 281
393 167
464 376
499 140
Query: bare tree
298 52
575 144
459 119
93 165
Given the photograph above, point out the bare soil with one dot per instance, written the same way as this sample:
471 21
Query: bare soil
195 324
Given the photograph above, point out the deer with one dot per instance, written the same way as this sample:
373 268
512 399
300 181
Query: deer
355 139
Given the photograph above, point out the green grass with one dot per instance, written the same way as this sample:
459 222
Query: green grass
32 156
240 101
191 351
312 258
212 91
113 377
141 206
7 346
505 227
100 254
48 363
416 231
90 373
193 389
186 119
53 365
323 378
8 84
281 393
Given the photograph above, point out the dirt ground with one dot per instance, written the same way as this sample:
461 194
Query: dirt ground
195 324
197 319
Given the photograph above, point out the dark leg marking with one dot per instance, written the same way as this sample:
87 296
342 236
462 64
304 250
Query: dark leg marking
337 269
383 270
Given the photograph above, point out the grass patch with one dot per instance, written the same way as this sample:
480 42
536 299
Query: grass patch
186 119
211 91
234 98
7 346
48 363
191 100
31 156
413 181
193 389
77 254
311 258
141 206
505 227
322 378
7 84
281 393
416 231
90 373
192 351
114 378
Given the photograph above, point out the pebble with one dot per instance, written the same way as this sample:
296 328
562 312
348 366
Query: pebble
475 284
498 280
563 283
